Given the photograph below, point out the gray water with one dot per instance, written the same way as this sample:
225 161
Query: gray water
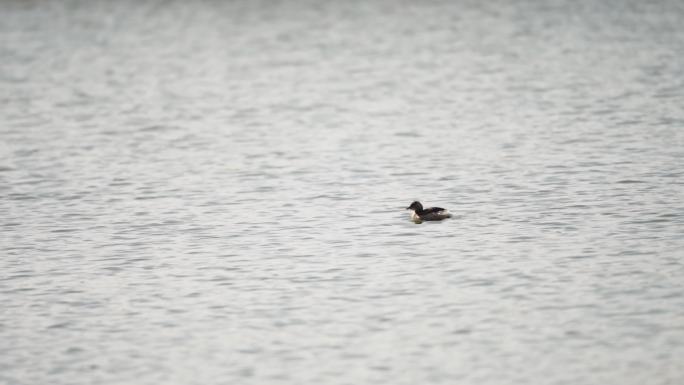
209 192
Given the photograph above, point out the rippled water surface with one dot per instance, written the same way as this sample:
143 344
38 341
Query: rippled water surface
209 192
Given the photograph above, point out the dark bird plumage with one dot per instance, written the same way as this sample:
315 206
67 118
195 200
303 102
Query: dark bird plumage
420 214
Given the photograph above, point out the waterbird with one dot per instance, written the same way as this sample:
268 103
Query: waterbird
419 214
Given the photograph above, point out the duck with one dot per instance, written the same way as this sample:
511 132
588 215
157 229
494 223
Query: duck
419 214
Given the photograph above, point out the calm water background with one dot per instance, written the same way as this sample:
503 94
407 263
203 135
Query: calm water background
204 192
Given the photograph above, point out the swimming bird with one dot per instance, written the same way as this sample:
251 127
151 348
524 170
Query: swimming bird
419 214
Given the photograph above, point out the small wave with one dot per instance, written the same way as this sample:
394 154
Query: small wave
629 181
158 128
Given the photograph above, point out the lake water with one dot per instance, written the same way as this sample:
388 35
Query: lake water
208 192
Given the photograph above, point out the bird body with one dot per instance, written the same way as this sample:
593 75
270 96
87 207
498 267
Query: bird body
420 214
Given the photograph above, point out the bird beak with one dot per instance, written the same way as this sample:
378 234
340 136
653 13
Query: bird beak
408 208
